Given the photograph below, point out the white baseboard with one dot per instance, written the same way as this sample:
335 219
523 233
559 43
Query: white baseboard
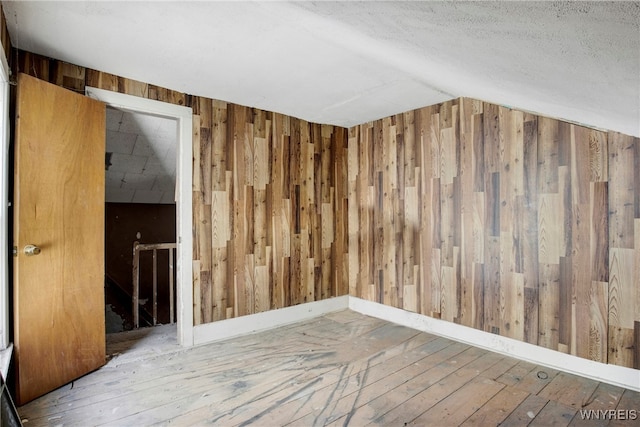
610 374
230 328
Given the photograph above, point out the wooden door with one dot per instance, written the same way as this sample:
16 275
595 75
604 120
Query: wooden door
59 331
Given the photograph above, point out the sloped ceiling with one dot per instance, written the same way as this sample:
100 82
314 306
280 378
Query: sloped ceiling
141 158
346 63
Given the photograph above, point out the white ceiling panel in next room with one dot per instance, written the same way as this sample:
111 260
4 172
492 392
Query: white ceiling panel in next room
141 158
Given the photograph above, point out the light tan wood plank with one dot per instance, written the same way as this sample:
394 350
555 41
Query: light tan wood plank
598 305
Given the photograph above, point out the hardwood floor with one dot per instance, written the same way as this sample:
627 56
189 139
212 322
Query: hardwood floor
340 369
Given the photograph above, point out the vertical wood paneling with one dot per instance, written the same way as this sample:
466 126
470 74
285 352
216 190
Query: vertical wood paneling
274 219
624 289
500 220
527 227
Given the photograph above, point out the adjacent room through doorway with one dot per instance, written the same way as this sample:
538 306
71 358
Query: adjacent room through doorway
140 211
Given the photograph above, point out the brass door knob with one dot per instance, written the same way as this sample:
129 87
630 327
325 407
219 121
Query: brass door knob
31 250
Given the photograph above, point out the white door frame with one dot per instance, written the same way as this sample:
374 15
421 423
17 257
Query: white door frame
184 194
4 200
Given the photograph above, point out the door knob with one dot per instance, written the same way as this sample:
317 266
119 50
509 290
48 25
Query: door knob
31 250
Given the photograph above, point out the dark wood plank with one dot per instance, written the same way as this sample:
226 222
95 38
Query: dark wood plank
461 404
606 397
525 412
499 407
570 390
554 414
528 377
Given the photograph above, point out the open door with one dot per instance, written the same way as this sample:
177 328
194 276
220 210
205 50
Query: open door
59 330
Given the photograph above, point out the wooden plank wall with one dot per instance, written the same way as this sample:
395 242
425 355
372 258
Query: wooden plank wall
269 208
624 250
500 220
269 198
493 218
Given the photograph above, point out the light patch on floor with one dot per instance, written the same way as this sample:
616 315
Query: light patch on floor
113 321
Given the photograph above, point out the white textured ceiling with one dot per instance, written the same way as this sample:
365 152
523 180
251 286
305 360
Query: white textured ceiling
346 63
141 150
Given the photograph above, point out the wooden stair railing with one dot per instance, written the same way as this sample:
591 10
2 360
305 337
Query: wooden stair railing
155 247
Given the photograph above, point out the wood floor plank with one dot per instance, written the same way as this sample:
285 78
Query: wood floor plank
514 375
629 400
525 412
570 390
630 403
461 404
500 369
537 379
554 414
528 377
497 408
605 397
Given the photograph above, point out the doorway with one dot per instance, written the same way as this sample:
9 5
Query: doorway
140 181
141 109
